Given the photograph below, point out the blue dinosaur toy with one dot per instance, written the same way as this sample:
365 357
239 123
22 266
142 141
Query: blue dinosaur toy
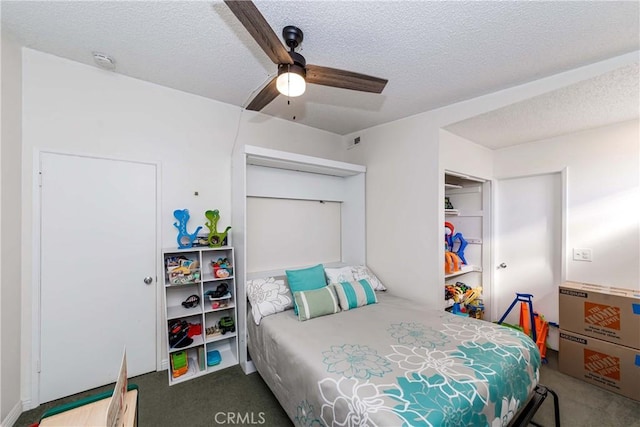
185 240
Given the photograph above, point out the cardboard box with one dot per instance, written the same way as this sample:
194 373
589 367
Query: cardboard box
610 314
610 366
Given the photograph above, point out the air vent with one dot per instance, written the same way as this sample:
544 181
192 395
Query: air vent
104 61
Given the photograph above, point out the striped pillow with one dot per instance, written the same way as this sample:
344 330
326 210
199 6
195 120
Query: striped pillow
355 294
316 303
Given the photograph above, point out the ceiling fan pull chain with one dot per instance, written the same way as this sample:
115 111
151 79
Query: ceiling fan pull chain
289 85
289 82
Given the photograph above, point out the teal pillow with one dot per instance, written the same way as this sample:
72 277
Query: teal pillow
355 294
305 279
315 303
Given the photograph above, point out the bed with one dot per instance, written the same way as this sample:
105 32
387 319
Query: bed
393 363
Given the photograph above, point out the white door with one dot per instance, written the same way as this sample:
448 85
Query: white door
97 245
528 245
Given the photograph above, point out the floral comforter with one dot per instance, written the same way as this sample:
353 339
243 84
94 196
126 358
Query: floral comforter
393 364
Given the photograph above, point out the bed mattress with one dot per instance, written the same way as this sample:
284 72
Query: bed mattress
394 363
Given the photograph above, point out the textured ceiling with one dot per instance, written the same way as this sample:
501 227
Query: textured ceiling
434 53
609 98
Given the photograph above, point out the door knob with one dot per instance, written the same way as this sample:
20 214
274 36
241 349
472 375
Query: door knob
148 280
502 265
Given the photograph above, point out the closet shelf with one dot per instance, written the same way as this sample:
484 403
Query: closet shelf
464 270
458 212
470 213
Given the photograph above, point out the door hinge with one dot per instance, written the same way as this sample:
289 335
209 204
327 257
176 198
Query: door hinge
40 179
38 366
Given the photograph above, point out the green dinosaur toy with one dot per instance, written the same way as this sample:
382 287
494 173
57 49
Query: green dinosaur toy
215 239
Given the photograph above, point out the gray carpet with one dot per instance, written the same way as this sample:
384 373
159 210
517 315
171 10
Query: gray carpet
192 403
218 398
583 404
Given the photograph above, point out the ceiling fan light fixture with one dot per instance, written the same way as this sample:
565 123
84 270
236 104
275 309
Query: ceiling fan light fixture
291 80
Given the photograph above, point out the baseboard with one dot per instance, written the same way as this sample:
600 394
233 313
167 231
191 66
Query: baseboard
28 405
12 416
164 364
553 339
248 367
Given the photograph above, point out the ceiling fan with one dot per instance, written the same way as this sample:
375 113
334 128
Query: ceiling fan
293 71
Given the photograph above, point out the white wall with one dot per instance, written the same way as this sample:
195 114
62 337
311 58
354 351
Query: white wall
10 405
603 196
268 132
461 155
76 108
402 206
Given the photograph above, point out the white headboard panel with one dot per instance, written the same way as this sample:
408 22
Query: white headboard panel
271 182
287 232
266 173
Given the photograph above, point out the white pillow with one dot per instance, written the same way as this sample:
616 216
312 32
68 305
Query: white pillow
362 272
338 275
268 296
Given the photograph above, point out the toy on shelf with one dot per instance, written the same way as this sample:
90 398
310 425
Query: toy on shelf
179 334
182 271
448 204
453 258
222 268
213 357
226 324
220 292
213 331
194 329
220 297
179 363
185 239
201 240
215 239
464 300
191 302
173 262
219 305
452 262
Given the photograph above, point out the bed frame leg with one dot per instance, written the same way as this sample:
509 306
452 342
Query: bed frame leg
524 417
556 406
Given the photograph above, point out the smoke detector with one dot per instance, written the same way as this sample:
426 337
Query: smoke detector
104 61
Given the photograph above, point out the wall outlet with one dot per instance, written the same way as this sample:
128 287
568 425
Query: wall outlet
582 254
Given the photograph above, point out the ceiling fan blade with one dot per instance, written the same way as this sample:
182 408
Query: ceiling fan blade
265 96
251 18
344 79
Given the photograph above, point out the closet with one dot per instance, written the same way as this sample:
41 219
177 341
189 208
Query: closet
467 214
